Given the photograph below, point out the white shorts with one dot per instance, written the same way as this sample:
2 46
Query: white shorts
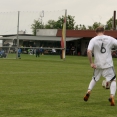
107 73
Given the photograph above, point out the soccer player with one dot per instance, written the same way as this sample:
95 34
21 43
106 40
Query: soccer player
101 46
19 52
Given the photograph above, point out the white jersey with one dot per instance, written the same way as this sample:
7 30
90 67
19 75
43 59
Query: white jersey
101 47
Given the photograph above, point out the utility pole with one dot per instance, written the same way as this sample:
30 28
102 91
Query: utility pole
42 15
17 36
114 20
65 29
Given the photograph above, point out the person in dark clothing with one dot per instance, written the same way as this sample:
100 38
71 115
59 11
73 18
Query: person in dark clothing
19 52
37 52
2 54
34 45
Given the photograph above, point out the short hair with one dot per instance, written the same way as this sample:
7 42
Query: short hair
99 29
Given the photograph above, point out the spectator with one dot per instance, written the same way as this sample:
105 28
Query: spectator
53 50
37 52
41 50
72 50
19 52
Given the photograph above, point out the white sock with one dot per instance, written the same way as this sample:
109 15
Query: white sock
92 84
113 88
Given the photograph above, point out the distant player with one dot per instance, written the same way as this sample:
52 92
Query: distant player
19 52
37 52
101 46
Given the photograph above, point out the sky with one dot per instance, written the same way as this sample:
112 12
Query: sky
85 11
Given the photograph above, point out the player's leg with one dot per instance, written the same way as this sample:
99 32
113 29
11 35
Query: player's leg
95 78
91 85
112 92
110 76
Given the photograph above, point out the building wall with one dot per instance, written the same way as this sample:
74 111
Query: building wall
1 43
46 32
84 45
21 43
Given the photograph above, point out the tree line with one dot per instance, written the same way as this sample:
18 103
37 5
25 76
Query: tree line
70 24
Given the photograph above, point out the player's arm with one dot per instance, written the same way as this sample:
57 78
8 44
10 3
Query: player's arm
114 42
89 53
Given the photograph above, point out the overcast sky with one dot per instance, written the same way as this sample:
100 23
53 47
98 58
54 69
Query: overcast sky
85 11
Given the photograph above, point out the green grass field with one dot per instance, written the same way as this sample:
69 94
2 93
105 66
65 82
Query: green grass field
50 87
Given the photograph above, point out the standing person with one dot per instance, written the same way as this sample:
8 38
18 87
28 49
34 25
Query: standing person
37 52
101 46
19 52
34 50
53 51
73 50
41 50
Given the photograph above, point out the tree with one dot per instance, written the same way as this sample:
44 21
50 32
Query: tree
36 25
90 28
70 22
84 27
94 26
80 27
51 24
59 23
109 25
76 27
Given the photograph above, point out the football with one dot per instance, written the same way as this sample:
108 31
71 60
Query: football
106 84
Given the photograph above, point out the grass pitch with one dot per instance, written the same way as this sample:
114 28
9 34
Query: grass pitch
50 87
